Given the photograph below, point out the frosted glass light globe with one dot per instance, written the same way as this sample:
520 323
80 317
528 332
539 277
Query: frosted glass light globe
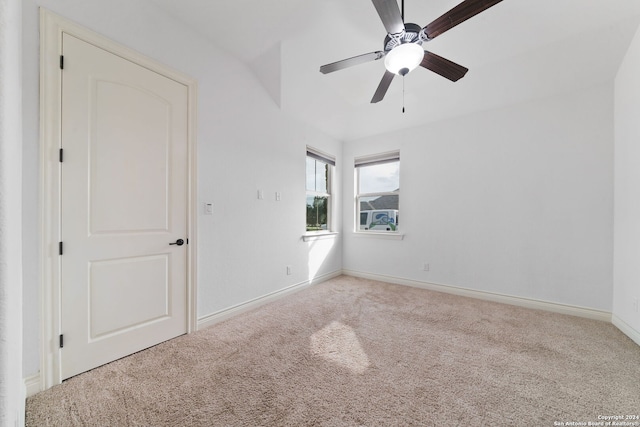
404 58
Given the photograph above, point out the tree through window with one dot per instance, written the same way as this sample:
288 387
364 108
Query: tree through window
319 180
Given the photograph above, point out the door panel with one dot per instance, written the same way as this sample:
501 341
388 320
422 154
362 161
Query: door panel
136 287
134 201
124 199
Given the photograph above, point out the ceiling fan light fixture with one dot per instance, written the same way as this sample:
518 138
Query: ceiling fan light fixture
404 58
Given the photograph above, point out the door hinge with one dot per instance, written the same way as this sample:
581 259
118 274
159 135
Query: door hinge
61 62
187 241
61 340
61 155
60 248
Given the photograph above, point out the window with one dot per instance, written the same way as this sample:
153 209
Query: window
378 192
319 176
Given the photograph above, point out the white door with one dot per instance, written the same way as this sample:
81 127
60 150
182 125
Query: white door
124 200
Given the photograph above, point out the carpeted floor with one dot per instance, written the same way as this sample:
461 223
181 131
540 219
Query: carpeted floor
353 352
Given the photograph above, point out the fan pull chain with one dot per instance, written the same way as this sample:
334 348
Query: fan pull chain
403 94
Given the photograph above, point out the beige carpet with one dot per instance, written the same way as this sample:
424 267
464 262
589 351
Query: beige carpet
353 352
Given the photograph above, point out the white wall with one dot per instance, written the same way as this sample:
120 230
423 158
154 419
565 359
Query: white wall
11 389
516 201
245 143
626 277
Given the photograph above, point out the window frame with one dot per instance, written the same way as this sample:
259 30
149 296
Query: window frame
372 160
329 160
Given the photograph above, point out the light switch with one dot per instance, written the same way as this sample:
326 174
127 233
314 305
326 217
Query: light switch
208 208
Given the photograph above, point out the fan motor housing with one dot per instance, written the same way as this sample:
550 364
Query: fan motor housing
411 35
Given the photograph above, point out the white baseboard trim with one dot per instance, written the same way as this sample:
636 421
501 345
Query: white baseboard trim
212 319
22 407
32 385
571 310
626 329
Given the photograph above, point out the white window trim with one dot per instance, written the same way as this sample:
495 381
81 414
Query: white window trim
387 157
319 235
330 160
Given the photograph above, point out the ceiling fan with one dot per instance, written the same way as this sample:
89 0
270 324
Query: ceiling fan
403 44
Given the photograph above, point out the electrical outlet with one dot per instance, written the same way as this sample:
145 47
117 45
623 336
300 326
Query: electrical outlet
288 270
425 266
635 304
277 196
260 195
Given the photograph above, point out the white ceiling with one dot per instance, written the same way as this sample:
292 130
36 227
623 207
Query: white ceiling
515 51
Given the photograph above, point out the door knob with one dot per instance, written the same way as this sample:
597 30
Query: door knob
178 242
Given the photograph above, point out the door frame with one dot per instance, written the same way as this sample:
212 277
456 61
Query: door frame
52 27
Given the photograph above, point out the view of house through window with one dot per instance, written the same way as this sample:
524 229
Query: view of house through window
319 174
378 198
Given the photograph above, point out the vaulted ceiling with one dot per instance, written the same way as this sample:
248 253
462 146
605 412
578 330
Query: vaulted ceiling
515 51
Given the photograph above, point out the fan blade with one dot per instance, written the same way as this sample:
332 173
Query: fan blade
382 87
350 62
390 15
442 66
465 10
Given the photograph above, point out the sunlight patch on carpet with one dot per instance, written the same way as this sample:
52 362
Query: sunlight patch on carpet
337 343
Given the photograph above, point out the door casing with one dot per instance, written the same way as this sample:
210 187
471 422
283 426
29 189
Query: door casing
52 27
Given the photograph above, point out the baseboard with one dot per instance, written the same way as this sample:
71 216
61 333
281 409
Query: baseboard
32 385
22 407
490 296
227 313
626 329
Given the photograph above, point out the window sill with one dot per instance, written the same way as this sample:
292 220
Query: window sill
378 235
310 237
